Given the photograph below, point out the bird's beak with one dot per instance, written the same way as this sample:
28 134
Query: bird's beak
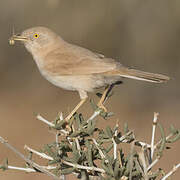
17 38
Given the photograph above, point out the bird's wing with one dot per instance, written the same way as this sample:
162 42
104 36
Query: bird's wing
72 62
85 62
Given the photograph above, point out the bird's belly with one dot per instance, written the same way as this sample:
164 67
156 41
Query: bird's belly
70 82
64 82
79 82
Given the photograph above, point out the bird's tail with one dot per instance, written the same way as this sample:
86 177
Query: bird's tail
141 75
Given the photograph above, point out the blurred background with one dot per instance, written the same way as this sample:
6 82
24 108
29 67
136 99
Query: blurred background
141 34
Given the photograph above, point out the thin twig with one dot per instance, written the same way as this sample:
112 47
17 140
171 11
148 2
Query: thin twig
77 141
78 145
42 155
39 117
153 133
131 161
29 170
45 156
57 141
123 138
114 148
124 178
61 116
168 137
119 158
83 167
153 163
171 172
100 151
142 144
31 163
143 160
114 142
69 140
96 113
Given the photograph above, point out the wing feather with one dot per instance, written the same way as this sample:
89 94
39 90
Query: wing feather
75 62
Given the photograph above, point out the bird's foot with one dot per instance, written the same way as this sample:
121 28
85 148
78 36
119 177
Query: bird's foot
101 106
67 119
68 122
68 128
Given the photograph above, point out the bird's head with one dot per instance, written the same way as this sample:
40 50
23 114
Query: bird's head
36 38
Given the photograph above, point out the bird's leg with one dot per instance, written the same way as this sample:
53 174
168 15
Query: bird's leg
83 96
75 109
103 98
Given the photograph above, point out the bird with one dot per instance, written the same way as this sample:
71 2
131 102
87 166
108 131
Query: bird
75 68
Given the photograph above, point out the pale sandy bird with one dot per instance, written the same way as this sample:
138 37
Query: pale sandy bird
75 68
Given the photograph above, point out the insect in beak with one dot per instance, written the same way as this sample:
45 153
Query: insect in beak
17 38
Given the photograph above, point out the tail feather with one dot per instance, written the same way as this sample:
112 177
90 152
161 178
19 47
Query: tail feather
144 76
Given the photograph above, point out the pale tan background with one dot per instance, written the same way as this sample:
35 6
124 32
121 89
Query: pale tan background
142 34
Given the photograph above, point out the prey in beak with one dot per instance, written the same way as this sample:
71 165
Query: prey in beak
17 38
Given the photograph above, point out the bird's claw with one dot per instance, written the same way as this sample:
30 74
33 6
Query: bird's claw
101 106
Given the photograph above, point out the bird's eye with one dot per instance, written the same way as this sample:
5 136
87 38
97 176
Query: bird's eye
36 36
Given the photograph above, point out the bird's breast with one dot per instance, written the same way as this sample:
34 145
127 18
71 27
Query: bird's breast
59 81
